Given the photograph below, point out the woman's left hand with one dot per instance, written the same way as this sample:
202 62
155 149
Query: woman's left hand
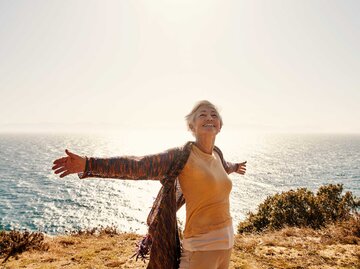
241 168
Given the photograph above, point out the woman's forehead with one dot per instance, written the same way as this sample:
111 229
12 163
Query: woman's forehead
206 108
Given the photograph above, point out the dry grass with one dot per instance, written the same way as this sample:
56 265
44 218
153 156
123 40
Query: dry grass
334 247
82 251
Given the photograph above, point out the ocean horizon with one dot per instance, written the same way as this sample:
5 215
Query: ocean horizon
32 197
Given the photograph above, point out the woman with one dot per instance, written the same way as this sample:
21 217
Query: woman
195 174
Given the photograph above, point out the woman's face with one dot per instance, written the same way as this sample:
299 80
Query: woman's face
206 122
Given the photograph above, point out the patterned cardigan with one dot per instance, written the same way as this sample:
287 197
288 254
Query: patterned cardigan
162 240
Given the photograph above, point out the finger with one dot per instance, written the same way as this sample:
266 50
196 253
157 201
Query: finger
242 164
57 166
60 160
60 170
65 174
70 154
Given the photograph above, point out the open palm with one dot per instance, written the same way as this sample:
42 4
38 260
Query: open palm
72 163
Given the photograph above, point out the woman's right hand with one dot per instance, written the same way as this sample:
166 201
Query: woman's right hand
70 164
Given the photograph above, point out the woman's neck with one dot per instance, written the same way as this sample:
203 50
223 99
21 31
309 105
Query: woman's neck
205 144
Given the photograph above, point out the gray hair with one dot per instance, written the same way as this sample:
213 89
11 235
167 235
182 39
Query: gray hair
191 116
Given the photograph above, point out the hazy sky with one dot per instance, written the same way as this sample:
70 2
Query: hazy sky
281 66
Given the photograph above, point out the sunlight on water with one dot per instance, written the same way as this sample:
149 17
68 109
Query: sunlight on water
32 197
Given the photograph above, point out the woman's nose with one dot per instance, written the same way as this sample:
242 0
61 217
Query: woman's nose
208 117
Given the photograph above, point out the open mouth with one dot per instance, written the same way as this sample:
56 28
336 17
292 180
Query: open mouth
209 125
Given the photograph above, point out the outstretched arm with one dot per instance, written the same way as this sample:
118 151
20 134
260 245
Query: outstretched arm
125 167
239 168
230 167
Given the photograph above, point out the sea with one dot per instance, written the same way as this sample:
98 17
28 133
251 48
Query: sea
33 198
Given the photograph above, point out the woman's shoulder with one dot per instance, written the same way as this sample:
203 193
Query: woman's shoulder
183 148
218 151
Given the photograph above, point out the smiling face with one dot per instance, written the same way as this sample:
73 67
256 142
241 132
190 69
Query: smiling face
206 122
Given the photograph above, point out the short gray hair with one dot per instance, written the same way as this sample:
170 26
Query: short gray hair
190 117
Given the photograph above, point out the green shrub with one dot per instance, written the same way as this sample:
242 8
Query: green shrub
301 208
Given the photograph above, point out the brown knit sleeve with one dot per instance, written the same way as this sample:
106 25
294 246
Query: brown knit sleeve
153 167
231 167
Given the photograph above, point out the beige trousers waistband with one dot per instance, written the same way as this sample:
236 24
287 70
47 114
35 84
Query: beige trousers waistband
214 259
